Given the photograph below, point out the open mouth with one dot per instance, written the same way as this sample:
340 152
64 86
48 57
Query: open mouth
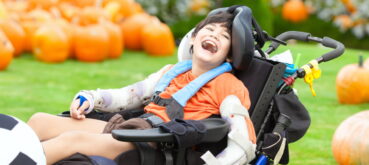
209 46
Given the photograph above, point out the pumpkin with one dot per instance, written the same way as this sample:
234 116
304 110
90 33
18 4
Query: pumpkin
3 11
91 43
352 84
344 21
45 4
349 6
132 28
17 7
68 11
127 8
91 15
55 12
116 44
350 140
15 33
50 43
158 39
30 23
80 3
295 11
6 51
112 10
199 6
68 29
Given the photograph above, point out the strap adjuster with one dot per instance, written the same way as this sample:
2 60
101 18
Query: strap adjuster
155 98
154 120
160 101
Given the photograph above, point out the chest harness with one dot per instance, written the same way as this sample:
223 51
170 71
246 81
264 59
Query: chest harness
174 105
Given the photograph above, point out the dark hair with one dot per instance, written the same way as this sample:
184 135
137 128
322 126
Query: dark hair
221 17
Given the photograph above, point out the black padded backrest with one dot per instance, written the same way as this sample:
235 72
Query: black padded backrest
261 79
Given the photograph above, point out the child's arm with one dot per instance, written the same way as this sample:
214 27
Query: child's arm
240 146
129 97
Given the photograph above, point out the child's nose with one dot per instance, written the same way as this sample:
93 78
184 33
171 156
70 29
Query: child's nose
215 36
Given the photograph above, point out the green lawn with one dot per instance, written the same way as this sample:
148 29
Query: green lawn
29 86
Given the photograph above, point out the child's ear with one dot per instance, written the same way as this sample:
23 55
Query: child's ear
192 40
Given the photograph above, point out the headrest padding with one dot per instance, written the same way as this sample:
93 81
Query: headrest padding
242 39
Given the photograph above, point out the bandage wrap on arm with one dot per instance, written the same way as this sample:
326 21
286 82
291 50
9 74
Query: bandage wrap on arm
240 149
129 97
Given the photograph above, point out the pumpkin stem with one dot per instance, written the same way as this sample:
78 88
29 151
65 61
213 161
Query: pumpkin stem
360 61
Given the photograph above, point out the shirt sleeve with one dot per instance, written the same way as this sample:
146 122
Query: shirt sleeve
232 86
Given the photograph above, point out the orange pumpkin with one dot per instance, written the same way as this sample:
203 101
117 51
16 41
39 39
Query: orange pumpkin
68 11
45 4
344 21
349 6
55 12
295 11
6 51
199 6
17 7
68 29
350 141
112 10
91 15
91 43
352 84
50 43
80 3
132 29
127 8
15 33
116 45
3 11
158 39
30 23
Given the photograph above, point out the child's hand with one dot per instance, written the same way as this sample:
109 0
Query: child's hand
77 111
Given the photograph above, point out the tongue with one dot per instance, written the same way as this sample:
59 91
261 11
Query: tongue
211 47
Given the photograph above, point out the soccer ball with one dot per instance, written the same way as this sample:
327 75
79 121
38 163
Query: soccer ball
18 143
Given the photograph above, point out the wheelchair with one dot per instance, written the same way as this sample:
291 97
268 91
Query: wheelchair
277 114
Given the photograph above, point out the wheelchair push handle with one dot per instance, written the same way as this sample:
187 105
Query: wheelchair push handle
338 47
301 36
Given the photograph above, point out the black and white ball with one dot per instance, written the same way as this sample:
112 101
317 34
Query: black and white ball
18 143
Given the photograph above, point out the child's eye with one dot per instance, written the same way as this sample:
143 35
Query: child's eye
210 29
226 36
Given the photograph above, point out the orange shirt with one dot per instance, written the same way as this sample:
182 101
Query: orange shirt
207 100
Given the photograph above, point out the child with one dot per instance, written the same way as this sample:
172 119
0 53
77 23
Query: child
211 42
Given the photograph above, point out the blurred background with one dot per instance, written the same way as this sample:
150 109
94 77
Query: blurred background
51 49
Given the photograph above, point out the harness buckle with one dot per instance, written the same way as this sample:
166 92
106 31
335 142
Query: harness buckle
156 98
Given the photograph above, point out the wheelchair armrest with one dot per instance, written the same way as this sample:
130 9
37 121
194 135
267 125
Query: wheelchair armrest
216 130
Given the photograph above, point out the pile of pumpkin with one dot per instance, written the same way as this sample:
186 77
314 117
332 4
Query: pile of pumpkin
87 30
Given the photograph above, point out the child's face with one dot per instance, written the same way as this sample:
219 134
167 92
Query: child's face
211 44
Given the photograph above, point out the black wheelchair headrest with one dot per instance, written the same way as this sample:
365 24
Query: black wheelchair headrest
243 41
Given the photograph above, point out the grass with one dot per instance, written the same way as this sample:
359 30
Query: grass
29 86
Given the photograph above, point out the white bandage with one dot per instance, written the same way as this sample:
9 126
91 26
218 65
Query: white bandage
240 149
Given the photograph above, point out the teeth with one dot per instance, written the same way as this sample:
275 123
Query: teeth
210 46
